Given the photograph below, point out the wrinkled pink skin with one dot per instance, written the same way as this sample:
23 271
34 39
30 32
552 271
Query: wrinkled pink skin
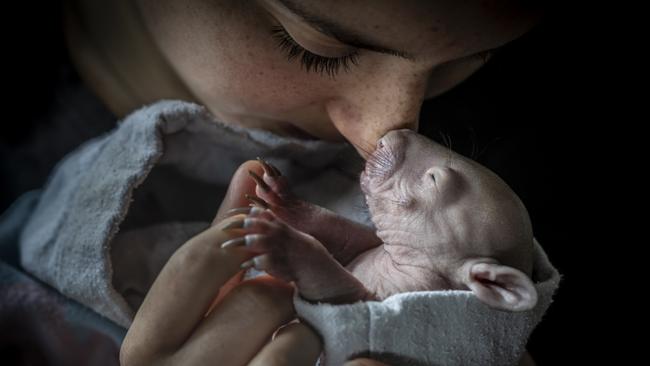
434 211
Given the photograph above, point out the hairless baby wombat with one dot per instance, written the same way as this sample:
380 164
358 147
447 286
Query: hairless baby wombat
443 222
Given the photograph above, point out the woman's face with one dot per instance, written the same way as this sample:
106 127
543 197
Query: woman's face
233 56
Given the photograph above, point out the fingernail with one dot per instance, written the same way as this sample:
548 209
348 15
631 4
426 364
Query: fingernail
254 211
237 210
248 264
237 224
266 167
234 242
250 239
260 182
257 200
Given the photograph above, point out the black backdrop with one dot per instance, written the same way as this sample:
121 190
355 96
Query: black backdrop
524 115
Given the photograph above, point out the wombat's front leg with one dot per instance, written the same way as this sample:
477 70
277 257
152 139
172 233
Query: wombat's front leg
343 238
292 255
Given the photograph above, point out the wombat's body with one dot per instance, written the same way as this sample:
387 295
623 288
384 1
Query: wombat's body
443 222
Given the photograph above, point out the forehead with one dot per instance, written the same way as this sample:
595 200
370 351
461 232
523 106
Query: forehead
434 31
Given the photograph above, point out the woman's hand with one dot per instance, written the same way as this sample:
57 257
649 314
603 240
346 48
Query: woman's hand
199 312
182 321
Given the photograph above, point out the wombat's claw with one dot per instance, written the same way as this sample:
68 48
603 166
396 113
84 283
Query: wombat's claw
269 168
246 240
260 182
248 210
237 210
233 242
260 262
256 200
265 166
237 224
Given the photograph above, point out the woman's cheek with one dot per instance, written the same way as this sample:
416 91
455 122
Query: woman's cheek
252 74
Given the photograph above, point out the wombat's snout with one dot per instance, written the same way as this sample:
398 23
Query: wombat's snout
395 138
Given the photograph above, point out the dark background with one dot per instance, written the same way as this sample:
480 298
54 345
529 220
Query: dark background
527 115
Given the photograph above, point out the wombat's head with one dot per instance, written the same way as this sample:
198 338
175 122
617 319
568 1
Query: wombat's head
442 213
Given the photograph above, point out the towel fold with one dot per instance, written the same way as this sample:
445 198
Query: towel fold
116 208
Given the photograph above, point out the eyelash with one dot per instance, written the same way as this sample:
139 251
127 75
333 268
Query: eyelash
331 65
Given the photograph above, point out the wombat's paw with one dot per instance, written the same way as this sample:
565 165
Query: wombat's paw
273 187
273 241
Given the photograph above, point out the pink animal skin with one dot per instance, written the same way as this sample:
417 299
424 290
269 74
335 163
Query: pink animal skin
443 222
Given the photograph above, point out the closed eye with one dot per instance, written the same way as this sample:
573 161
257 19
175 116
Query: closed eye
434 180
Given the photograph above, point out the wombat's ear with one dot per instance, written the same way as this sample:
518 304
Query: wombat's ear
502 287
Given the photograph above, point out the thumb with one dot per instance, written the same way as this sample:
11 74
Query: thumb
240 184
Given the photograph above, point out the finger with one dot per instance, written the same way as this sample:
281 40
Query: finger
250 211
240 184
268 169
183 291
364 362
226 288
276 171
257 201
253 225
262 262
295 344
256 243
262 213
278 189
237 211
241 324
259 181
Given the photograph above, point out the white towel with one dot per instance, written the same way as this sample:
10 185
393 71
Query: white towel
116 208
430 327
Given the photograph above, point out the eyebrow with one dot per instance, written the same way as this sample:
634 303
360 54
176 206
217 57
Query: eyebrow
338 32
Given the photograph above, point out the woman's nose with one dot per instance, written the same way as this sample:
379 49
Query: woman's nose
381 103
